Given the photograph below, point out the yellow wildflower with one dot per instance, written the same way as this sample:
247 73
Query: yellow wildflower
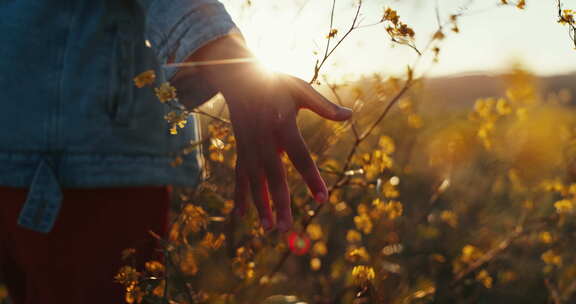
217 156
134 294
159 290
357 254
391 15
315 263
145 78
127 275
363 274
165 92
567 17
320 248
178 160
387 144
545 237
314 232
450 218
353 236
551 258
484 278
393 209
212 242
439 35
332 34
503 107
363 223
154 267
564 206
521 4
470 254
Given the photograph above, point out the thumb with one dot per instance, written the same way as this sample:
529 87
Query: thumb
310 99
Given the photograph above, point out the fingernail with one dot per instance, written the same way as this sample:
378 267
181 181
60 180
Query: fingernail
345 112
320 197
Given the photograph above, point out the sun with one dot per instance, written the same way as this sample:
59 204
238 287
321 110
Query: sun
279 44
291 40
277 56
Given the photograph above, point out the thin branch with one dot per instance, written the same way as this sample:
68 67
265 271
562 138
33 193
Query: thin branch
392 102
328 52
220 119
522 229
332 88
437 9
489 256
331 28
325 144
571 24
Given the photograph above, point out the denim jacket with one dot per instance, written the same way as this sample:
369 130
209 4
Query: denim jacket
71 115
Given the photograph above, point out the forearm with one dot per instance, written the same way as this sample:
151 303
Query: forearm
227 77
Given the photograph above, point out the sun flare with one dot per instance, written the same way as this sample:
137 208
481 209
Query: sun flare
278 56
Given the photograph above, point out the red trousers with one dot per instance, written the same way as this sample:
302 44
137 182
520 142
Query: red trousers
77 261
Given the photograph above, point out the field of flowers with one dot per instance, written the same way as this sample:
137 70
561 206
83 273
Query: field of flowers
470 206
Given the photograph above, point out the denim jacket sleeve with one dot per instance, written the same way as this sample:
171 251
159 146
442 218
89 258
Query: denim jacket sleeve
177 28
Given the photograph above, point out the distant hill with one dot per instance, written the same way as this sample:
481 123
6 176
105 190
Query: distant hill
461 91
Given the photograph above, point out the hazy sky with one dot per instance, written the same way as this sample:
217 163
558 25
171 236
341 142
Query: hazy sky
284 33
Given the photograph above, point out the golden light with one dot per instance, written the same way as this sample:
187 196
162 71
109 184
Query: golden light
278 52
282 40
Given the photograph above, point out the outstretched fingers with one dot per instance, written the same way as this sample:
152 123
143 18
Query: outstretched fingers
296 149
259 185
278 187
251 178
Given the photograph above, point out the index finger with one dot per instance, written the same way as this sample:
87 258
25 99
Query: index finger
309 98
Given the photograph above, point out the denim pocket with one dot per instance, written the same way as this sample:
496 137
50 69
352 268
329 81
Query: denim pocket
121 95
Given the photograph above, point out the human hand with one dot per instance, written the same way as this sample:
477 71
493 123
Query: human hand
263 108
264 121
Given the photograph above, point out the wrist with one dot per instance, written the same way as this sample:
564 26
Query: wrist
222 75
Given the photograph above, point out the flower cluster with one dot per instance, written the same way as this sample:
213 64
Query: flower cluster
398 31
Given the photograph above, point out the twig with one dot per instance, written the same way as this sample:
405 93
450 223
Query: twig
220 119
331 28
489 256
328 52
524 228
571 24
394 100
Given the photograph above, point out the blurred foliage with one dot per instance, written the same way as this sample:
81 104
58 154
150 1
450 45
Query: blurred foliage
474 205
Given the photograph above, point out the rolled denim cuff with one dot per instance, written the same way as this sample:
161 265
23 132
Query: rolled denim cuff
177 28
